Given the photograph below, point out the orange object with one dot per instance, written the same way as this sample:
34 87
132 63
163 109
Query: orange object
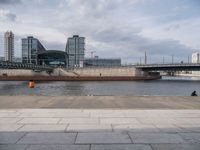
31 84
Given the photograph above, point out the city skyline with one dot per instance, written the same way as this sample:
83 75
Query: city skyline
117 28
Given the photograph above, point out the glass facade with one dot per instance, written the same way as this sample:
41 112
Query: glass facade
30 49
89 62
53 58
75 49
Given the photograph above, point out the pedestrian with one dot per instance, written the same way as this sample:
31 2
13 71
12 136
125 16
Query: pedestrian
194 93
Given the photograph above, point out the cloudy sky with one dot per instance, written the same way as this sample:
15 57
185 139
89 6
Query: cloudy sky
113 28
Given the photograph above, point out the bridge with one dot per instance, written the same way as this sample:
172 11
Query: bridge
16 65
169 67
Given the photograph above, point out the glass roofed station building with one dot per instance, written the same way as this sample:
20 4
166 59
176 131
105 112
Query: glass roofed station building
54 58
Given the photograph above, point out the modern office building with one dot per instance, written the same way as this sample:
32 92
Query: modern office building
9 46
30 49
75 49
102 62
54 58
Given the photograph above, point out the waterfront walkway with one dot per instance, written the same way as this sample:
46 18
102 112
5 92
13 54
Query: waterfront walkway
137 128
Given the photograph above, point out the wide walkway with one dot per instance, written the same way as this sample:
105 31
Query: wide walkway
101 102
99 129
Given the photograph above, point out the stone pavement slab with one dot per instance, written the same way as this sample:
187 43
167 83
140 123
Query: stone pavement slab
121 147
89 128
9 127
48 138
39 121
10 137
59 147
92 138
9 120
176 146
13 147
79 121
155 138
136 128
119 121
191 137
42 128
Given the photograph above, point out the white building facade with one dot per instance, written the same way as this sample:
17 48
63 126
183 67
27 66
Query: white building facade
196 60
9 46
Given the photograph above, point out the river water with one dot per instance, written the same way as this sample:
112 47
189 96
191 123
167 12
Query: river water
169 86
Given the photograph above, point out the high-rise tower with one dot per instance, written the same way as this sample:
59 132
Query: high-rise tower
75 50
9 46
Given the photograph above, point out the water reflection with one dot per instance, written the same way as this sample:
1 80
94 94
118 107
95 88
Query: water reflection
167 86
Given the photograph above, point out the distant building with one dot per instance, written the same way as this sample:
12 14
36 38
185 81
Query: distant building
196 57
196 60
30 49
102 62
75 48
2 58
9 46
53 58
17 59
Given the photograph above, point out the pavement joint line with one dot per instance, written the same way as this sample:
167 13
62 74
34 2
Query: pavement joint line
75 138
58 122
130 137
18 129
66 128
151 146
112 127
25 133
90 147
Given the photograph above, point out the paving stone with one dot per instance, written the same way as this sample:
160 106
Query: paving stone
119 121
43 128
169 128
191 137
10 137
192 121
72 115
13 147
9 114
9 120
79 121
89 128
39 121
156 138
9 127
59 147
121 147
37 115
158 121
92 138
107 115
48 138
135 128
189 128
176 146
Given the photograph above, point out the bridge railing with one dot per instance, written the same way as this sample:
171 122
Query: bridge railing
18 65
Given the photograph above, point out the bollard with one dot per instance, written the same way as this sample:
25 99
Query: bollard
31 84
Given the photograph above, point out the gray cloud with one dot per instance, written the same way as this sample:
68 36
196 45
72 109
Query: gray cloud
5 2
6 15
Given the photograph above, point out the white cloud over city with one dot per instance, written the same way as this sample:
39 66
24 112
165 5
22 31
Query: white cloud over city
113 28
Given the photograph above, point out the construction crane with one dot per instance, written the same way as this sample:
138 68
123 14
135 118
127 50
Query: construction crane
92 53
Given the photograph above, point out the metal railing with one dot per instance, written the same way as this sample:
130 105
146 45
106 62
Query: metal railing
17 65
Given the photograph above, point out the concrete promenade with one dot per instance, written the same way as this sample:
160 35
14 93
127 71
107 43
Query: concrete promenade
170 123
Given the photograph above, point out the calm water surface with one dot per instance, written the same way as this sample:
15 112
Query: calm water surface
177 86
